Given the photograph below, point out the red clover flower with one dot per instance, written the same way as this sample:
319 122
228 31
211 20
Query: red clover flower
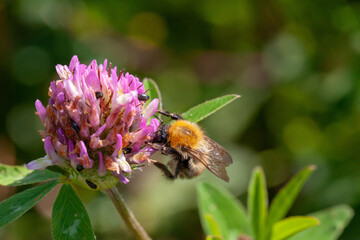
96 124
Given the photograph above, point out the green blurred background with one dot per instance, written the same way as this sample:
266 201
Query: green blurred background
295 63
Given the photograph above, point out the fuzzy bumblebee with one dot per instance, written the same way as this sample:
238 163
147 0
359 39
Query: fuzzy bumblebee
191 151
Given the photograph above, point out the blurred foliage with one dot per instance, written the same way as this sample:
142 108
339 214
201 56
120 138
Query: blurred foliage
295 63
225 217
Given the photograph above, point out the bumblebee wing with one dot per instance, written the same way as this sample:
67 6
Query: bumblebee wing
213 156
218 152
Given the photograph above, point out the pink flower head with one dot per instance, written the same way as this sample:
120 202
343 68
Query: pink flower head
93 114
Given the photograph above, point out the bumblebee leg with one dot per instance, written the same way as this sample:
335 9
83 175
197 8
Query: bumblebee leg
165 170
155 146
165 150
177 170
173 116
171 151
176 156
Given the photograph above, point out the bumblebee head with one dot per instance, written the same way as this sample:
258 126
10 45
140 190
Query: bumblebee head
161 135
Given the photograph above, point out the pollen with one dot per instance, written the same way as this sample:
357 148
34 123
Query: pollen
185 133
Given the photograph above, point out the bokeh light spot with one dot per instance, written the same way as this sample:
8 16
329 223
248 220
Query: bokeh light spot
284 57
228 12
302 135
54 13
30 66
336 85
22 125
346 19
88 24
148 27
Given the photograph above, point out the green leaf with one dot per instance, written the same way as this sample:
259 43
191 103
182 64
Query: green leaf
69 217
291 226
287 195
227 211
10 174
20 175
257 203
205 109
17 205
153 92
213 226
332 223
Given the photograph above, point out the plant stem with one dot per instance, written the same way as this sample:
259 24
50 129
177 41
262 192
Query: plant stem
127 215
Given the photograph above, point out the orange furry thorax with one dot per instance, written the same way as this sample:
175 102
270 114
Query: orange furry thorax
185 133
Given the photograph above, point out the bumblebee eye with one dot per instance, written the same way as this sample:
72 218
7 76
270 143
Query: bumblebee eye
143 97
99 95
157 139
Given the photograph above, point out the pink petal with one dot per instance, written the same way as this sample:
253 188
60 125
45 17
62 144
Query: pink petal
74 61
117 146
40 163
93 81
151 108
61 136
41 110
102 169
72 156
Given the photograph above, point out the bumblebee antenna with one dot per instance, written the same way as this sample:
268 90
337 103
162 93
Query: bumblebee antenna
161 121
173 116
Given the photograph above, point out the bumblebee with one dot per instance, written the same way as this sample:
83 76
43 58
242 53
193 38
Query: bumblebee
191 151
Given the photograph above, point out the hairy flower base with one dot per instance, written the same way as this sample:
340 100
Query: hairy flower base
89 179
